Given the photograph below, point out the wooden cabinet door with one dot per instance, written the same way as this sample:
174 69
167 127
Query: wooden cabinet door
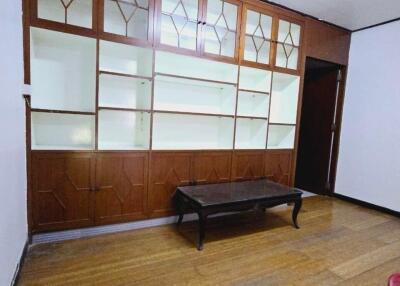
62 190
76 16
278 165
167 171
220 29
121 187
212 167
178 24
257 26
247 165
127 20
288 44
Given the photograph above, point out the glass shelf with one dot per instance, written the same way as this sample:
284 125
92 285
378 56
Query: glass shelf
196 68
252 79
56 131
125 59
124 92
73 12
191 132
63 71
124 130
285 92
251 133
179 94
252 104
281 136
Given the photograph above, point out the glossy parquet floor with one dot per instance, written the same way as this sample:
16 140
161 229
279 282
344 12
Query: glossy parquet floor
338 244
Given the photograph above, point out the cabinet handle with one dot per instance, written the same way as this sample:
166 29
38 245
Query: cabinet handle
198 22
204 23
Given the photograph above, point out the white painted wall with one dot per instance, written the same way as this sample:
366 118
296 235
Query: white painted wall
13 225
369 158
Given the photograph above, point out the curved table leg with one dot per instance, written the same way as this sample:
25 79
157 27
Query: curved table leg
296 209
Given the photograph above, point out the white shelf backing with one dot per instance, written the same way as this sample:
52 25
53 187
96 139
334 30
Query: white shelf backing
124 92
195 67
177 94
79 12
254 79
252 104
126 59
281 136
124 130
190 132
285 92
114 22
251 133
63 71
56 131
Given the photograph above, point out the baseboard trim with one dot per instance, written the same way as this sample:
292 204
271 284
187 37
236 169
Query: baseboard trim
367 205
20 264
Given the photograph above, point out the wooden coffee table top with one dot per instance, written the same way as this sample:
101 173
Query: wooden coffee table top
236 192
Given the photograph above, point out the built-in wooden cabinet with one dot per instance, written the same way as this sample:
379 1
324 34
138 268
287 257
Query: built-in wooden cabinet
131 98
62 190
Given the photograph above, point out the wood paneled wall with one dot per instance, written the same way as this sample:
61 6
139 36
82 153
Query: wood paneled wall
326 42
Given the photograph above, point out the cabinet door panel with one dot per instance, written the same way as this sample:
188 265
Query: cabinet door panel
178 23
278 166
212 167
168 170
62 190
257 27
128 19
121 187
220 29
247 165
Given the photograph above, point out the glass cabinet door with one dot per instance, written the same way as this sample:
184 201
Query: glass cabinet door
257 37
128 18
220 28
179 24
288 45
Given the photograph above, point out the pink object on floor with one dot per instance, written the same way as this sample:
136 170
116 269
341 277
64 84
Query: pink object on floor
394 280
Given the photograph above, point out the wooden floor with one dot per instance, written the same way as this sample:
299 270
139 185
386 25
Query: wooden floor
338 244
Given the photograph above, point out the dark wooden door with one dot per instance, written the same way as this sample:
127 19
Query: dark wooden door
247 165
62 185
318 112
167 171
121 187
278 164
212 167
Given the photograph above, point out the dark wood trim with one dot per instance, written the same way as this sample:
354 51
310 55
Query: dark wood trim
26 40
367 205
123 109
192 113
255 91
17 273
28 164
194 78
376 25
62 111
125 75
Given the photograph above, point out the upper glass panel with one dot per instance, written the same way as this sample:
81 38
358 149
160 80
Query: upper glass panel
220 28
179 23
128 18
287 52
257 37
73 12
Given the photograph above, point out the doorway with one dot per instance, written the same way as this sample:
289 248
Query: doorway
319 126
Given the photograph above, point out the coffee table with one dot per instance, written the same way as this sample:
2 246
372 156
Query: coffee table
234 196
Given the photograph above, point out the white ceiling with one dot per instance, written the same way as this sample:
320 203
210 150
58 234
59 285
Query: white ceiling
350 14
